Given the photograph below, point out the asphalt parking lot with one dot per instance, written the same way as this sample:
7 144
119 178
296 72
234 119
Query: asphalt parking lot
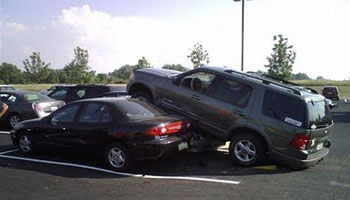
205 175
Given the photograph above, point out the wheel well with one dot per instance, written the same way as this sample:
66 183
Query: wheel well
140 87
253 132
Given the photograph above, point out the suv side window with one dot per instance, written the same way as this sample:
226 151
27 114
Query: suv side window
60 93
198 81
233 92
95 113
284 108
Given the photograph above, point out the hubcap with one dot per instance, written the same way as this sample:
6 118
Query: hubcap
245 151
116 157
141 98
25 144
14 120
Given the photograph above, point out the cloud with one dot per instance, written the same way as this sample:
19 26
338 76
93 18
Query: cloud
9 28
320 38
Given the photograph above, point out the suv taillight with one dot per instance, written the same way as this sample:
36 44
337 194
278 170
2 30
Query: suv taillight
165 129
300 141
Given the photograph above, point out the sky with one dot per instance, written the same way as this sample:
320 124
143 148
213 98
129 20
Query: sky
119 32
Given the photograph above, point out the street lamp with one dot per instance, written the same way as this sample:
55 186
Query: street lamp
242 50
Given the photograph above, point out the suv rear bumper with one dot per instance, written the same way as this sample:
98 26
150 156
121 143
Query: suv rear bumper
311 159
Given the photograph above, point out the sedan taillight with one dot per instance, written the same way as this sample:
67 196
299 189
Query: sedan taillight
165 129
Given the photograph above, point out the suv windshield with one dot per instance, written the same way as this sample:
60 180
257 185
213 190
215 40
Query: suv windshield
318 114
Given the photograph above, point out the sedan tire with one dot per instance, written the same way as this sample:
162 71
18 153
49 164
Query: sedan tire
247 150
117 157
25 144
13 119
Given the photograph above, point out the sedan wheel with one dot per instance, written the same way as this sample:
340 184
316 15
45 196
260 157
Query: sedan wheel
117 157
14 119
25 144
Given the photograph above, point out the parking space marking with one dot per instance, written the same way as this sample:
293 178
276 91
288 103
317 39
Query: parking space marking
10 151
118 173
5 132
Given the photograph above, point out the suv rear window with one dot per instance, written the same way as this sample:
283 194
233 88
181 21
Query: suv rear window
318 114
284 108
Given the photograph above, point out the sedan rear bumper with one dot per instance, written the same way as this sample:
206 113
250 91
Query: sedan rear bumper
158 147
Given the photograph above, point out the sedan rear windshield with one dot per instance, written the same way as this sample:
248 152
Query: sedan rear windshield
318 114
31 97
136 110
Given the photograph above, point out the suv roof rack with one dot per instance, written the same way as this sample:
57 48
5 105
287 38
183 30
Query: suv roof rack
275 81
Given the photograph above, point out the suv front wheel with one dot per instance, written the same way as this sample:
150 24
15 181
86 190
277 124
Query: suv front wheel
143 96
247 150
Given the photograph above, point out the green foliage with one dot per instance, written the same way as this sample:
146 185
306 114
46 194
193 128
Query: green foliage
102 78
10 74
78 70
198 56
122 74
282 59
36 70
177 67
320 78
300 76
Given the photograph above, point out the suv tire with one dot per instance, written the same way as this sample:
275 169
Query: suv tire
247 149
117 157
143 96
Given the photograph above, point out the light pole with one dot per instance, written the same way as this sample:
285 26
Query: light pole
242 50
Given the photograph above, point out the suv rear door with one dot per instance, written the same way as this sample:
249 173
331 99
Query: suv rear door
226 106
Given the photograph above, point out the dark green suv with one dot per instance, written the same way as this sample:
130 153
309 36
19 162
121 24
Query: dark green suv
261 117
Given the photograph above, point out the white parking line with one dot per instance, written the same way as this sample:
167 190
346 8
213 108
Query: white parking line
10 151
118 173
5 132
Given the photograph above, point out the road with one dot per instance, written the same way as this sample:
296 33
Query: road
330 179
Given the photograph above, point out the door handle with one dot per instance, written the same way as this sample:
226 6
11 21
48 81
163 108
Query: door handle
196 97
240 113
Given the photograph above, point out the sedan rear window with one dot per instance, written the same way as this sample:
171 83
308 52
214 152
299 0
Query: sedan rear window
135 110
31 97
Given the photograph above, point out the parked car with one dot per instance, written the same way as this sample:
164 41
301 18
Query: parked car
77 92
331 92
6 87
262 117
51 89
124 129
114 94
25 105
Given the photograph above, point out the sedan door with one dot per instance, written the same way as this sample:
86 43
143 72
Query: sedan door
93 125
59 125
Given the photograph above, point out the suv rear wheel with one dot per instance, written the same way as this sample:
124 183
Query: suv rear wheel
143 96
247 149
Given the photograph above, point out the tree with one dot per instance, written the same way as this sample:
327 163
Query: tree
102 78
10 74
198 56
142 63
282 59
36 70
177 67
78 70
300 76
320 78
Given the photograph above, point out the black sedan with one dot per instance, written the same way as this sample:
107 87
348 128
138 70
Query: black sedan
123 129
25 105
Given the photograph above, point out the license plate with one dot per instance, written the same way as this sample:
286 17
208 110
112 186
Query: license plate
182 146
53 108
319 146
